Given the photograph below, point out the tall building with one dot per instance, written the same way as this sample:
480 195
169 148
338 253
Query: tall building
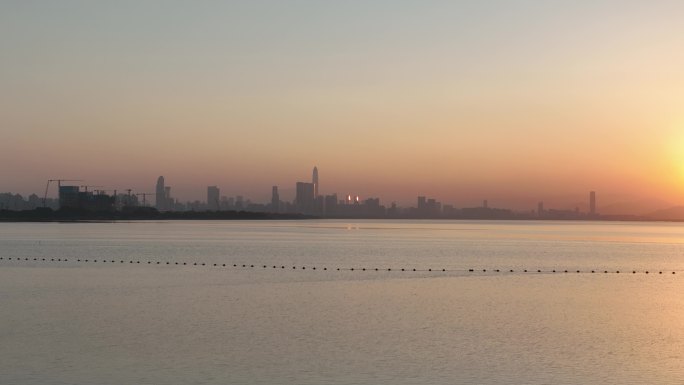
592 202
305 197
168 202
213 194
275 200
160 197
314 180
330 207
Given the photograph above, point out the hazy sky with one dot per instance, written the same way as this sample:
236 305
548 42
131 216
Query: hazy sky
513 101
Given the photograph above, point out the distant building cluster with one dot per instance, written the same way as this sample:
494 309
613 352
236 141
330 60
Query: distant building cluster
308 200
16 202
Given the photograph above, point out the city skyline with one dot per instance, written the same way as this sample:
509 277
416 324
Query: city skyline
510 102
215 193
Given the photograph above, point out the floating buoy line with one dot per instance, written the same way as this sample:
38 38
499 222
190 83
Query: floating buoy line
319 268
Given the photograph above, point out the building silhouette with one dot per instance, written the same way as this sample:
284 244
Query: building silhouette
304 199
160 197
314 180
70 197
275 200
213 194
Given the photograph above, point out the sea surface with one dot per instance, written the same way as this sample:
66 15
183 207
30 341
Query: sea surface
154 303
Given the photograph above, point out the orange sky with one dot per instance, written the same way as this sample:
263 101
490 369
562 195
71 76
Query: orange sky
514 102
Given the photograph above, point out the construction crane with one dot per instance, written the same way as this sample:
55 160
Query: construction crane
86 187
59 184
99 192
143 196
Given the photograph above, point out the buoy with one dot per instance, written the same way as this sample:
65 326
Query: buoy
566 271
314 267
673 272
414 269
184 263
525 270
429 269
402 269
389 269
325 268
78 260
633 271
554 270
132 262
484 270
157 262
443 269
578 271
592 271
352 269
660 272
470 270
617 272
376 269
282 267
364 269
647 272
538 271
224 265
303 267
605 272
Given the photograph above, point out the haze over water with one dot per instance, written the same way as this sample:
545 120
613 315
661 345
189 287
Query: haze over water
72 322
511 101
523 105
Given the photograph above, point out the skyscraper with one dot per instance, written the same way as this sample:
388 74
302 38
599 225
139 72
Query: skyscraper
160 197
168 202
275 200
314 180
305 197
213 193
592 202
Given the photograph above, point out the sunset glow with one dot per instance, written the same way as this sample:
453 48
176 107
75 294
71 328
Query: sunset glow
463 101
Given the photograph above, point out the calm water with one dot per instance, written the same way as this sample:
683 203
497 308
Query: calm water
114 323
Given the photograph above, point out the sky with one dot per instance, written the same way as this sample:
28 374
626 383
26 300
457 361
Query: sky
511 101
